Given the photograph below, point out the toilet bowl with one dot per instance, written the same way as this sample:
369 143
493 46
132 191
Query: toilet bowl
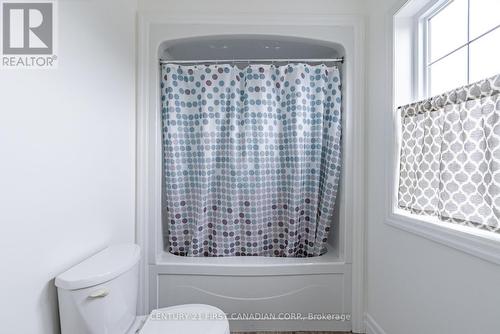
190 318
99 296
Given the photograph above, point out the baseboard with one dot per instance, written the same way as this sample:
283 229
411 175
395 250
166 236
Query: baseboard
372 327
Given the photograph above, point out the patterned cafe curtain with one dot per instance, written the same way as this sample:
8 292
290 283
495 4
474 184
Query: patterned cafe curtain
450 156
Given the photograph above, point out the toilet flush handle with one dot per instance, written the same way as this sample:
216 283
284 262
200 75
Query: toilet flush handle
99 294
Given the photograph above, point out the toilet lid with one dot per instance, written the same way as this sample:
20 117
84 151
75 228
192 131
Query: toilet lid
186 319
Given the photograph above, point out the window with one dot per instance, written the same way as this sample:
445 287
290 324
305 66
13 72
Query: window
462 44
446 147
449 162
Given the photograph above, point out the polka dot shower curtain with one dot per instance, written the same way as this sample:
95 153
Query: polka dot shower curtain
251 158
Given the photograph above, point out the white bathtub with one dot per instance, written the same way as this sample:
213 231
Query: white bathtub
262 287
319 285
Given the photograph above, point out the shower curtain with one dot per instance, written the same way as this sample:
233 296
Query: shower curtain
251 158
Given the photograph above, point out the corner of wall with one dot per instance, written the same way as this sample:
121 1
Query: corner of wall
372 327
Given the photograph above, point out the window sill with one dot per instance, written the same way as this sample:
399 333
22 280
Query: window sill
483 244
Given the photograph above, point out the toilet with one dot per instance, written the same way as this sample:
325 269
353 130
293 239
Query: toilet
99 296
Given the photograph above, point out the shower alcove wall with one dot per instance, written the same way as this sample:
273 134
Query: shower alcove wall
329 284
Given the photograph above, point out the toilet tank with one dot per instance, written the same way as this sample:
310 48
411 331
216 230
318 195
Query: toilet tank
99 295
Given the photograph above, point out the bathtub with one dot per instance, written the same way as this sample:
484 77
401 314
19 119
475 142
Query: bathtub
274 289
259 293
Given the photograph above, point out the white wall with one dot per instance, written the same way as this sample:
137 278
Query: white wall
415 286
66 159
217 7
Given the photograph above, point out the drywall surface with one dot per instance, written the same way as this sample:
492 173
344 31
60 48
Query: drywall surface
415 286
66 159
266 7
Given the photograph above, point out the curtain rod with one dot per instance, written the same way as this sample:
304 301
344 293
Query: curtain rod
269 60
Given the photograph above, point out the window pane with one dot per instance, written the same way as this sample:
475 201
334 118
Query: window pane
484 15
449 73
448 29
485 56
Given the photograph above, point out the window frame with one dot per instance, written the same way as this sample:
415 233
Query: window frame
423 84
473 241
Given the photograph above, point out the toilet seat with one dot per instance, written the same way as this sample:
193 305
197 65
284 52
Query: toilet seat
186 319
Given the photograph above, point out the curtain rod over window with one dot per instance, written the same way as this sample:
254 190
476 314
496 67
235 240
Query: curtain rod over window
269 60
